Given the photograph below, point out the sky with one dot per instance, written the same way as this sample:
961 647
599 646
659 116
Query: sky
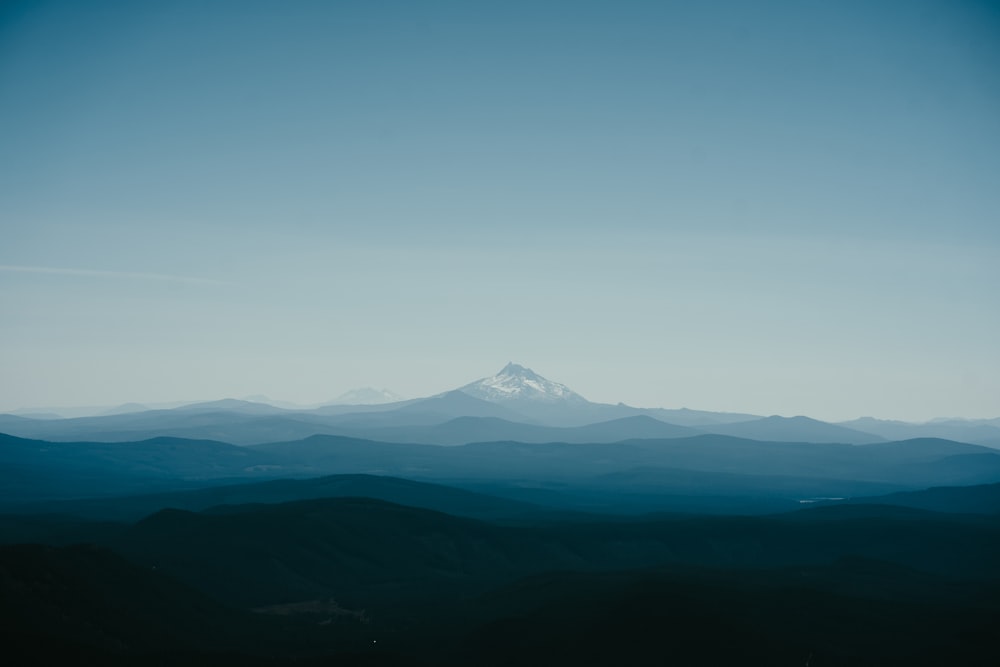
769 207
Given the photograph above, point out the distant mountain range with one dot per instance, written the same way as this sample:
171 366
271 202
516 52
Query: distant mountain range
978 431
514 404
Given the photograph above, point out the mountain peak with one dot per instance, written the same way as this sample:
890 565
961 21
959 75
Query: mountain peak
367 396
516 383
516 370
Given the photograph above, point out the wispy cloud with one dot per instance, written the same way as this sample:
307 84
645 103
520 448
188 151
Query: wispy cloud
116 275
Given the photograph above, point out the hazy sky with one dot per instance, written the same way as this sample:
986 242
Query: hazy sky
773 207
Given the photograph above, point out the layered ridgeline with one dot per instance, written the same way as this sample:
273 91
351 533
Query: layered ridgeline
515 434
699 473
515 404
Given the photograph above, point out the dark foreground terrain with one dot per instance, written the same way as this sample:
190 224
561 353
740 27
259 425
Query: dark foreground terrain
356 580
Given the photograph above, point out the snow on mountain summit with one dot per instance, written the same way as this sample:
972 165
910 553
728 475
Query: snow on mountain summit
515 382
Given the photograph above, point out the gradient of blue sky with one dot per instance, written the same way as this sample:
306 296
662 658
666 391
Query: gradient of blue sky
773 207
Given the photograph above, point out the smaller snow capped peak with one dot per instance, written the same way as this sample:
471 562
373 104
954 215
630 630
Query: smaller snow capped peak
367 396
516 382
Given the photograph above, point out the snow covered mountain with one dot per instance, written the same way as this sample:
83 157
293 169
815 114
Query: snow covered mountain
546 402
515 383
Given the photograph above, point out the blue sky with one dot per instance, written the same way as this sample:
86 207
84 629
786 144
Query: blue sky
775 207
